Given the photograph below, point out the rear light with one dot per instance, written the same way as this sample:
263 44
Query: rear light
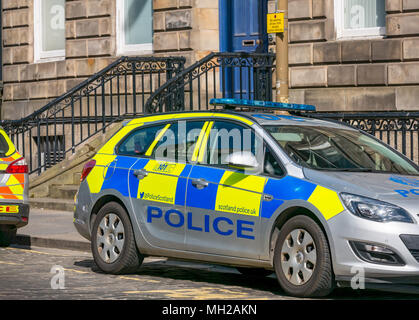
18 166
86 169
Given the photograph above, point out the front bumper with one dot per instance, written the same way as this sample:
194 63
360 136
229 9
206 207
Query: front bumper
19 219
347 264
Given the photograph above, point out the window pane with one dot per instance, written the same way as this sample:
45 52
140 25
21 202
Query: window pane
339 150
138 26
138 142
53 25
271 165
360 14
178 142
226 138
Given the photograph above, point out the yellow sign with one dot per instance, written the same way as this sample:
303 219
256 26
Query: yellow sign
275 22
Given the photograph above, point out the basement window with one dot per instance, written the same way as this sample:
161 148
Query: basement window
51 149
49 30
360 18
134 27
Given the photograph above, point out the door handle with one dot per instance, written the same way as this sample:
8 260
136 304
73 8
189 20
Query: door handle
268 197
141 173
200 183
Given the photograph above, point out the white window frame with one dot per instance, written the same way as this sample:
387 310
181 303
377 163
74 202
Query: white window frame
342 33
127 49
39 54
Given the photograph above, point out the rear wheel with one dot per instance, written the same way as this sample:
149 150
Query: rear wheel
254 272
302 259
7 235
113 244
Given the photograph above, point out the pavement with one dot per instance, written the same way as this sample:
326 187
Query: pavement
52 229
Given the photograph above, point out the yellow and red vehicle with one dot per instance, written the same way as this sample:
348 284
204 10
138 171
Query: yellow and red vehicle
14 202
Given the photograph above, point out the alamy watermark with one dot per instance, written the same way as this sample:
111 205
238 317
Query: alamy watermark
358 280
58 279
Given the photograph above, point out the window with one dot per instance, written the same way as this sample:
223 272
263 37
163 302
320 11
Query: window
359 18
228 137
134 26
271 165
49 30
138 142
4 146
178 142
51 149
338 149
169 141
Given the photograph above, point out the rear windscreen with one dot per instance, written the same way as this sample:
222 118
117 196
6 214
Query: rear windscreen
4 146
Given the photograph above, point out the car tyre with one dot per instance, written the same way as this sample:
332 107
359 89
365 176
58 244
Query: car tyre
254 272
302 259
7 235
112 242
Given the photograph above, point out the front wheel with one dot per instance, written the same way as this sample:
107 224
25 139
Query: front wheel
113 244
302 259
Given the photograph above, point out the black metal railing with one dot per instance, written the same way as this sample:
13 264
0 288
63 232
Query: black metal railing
400 130
218 75
118 91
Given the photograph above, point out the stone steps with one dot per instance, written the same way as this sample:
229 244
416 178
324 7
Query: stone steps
55 188
65 192
52 204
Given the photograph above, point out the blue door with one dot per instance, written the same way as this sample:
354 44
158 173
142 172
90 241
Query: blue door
242 29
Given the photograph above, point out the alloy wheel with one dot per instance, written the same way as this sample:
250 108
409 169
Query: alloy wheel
110 238
298 257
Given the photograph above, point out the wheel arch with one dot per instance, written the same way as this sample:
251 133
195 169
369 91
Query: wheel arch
100 203
292 211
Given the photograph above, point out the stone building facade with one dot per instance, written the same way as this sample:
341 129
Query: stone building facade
369 73
365 72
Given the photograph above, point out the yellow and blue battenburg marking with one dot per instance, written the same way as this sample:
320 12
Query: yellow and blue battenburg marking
291 188
227 191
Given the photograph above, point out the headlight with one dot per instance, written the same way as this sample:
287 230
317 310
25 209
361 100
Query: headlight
375 210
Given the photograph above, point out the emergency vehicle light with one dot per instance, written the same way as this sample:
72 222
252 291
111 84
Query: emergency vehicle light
261 104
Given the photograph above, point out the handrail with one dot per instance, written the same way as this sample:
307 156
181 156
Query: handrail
82 84
118 91
228 62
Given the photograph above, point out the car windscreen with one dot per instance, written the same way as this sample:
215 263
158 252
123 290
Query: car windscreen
4 146
338 149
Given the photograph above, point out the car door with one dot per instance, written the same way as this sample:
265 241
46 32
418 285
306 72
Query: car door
157 182
223 203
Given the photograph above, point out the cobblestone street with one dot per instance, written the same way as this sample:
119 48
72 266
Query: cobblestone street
26 274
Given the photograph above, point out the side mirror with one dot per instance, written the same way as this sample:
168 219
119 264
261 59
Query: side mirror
242 160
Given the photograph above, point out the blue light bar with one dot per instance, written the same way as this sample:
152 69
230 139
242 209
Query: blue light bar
261 104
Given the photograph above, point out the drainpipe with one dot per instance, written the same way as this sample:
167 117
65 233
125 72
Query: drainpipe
282 56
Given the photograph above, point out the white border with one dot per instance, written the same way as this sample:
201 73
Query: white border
39 54
128 49
342 33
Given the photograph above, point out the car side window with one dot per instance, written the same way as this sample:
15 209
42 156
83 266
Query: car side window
178 142
138 142
271 165
228 137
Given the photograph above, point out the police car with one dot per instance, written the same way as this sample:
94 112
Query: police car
317 202
14 204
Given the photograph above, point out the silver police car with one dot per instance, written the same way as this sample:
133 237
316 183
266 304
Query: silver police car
316 202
